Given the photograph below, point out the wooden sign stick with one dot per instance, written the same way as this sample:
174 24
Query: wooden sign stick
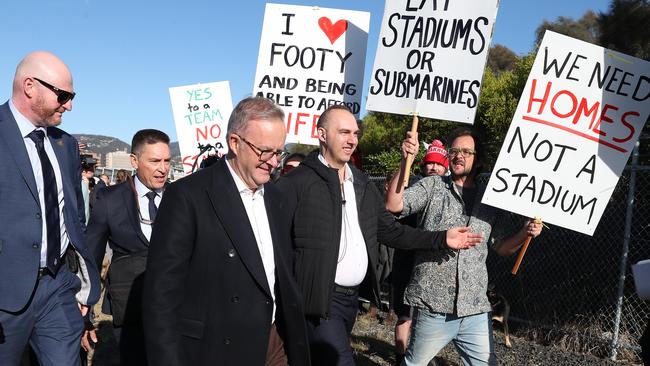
521 255
522 252
410 157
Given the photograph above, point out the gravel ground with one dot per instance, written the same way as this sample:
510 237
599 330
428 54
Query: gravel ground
372 341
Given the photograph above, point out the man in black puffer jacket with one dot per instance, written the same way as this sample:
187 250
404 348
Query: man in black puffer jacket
338 216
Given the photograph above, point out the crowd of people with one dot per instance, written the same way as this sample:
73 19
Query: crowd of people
228 266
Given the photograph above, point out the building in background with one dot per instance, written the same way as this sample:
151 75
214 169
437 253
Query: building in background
118 160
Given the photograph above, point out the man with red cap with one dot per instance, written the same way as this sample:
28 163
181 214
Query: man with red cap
435 161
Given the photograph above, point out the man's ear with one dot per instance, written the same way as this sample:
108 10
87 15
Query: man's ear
232 142
134 161
322 135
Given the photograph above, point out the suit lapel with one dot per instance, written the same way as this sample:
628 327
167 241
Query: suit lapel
130 198
274 212
12 138
227 204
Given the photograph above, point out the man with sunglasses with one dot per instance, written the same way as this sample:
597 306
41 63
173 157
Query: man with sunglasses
123 216
338 217
218 289
449 293
47 274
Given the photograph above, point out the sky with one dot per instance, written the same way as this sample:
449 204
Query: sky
125 55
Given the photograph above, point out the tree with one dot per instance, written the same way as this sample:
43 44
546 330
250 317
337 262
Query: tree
626 28
501 59
499 97
586 28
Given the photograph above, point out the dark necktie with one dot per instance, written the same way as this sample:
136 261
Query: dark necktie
51 194
152 205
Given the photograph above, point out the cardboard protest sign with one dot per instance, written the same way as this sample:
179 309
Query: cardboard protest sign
201 113
430 58
576 123
309 59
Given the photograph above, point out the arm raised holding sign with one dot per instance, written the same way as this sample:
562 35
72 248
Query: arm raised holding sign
456 285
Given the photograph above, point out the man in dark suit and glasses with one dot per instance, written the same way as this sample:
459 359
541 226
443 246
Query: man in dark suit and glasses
218 288
123 215
47 277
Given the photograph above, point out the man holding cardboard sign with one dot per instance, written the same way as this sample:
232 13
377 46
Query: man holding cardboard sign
450 293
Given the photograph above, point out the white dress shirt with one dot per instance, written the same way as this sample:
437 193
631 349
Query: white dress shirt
143 201
353 255
26 127
256 212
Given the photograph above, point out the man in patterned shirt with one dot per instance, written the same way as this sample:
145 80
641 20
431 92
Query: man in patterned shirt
448 292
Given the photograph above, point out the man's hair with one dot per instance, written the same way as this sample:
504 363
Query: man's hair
253 108
147 137
479 157
322 121
297 156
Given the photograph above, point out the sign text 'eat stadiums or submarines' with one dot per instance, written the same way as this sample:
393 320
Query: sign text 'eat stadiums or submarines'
201 113
576 123
430 58
311 58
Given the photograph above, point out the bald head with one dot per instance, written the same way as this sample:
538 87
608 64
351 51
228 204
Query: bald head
43 65
32 95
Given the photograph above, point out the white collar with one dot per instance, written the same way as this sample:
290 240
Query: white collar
239 183
348 172
143 190
24 125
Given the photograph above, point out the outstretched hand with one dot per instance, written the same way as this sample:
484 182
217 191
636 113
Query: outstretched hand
462 238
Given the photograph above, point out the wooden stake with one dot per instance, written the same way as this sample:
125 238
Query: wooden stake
410 157
521 255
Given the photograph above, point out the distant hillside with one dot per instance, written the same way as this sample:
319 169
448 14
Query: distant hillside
100 144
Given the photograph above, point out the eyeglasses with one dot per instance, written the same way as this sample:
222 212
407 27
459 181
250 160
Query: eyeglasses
265 155
465 152
63 96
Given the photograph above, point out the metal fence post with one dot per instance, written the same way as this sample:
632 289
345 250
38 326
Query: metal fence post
626 245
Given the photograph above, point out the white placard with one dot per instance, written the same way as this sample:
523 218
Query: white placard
309 59
576 123
201 113
430 58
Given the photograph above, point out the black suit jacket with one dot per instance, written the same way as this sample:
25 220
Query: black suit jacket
206 297
114 219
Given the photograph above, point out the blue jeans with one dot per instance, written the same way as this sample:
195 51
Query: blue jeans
431 332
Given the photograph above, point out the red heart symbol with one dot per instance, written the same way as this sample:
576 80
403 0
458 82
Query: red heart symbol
332 31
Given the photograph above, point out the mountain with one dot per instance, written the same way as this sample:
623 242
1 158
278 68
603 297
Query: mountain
102 145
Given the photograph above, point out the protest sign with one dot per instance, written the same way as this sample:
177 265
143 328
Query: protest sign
577 121
311 58
201 113
430 58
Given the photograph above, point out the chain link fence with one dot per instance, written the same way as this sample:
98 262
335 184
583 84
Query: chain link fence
577 291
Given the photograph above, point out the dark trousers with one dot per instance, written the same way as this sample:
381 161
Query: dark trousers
51 323
329 339
130 340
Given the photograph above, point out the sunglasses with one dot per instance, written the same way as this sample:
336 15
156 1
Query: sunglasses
62 96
